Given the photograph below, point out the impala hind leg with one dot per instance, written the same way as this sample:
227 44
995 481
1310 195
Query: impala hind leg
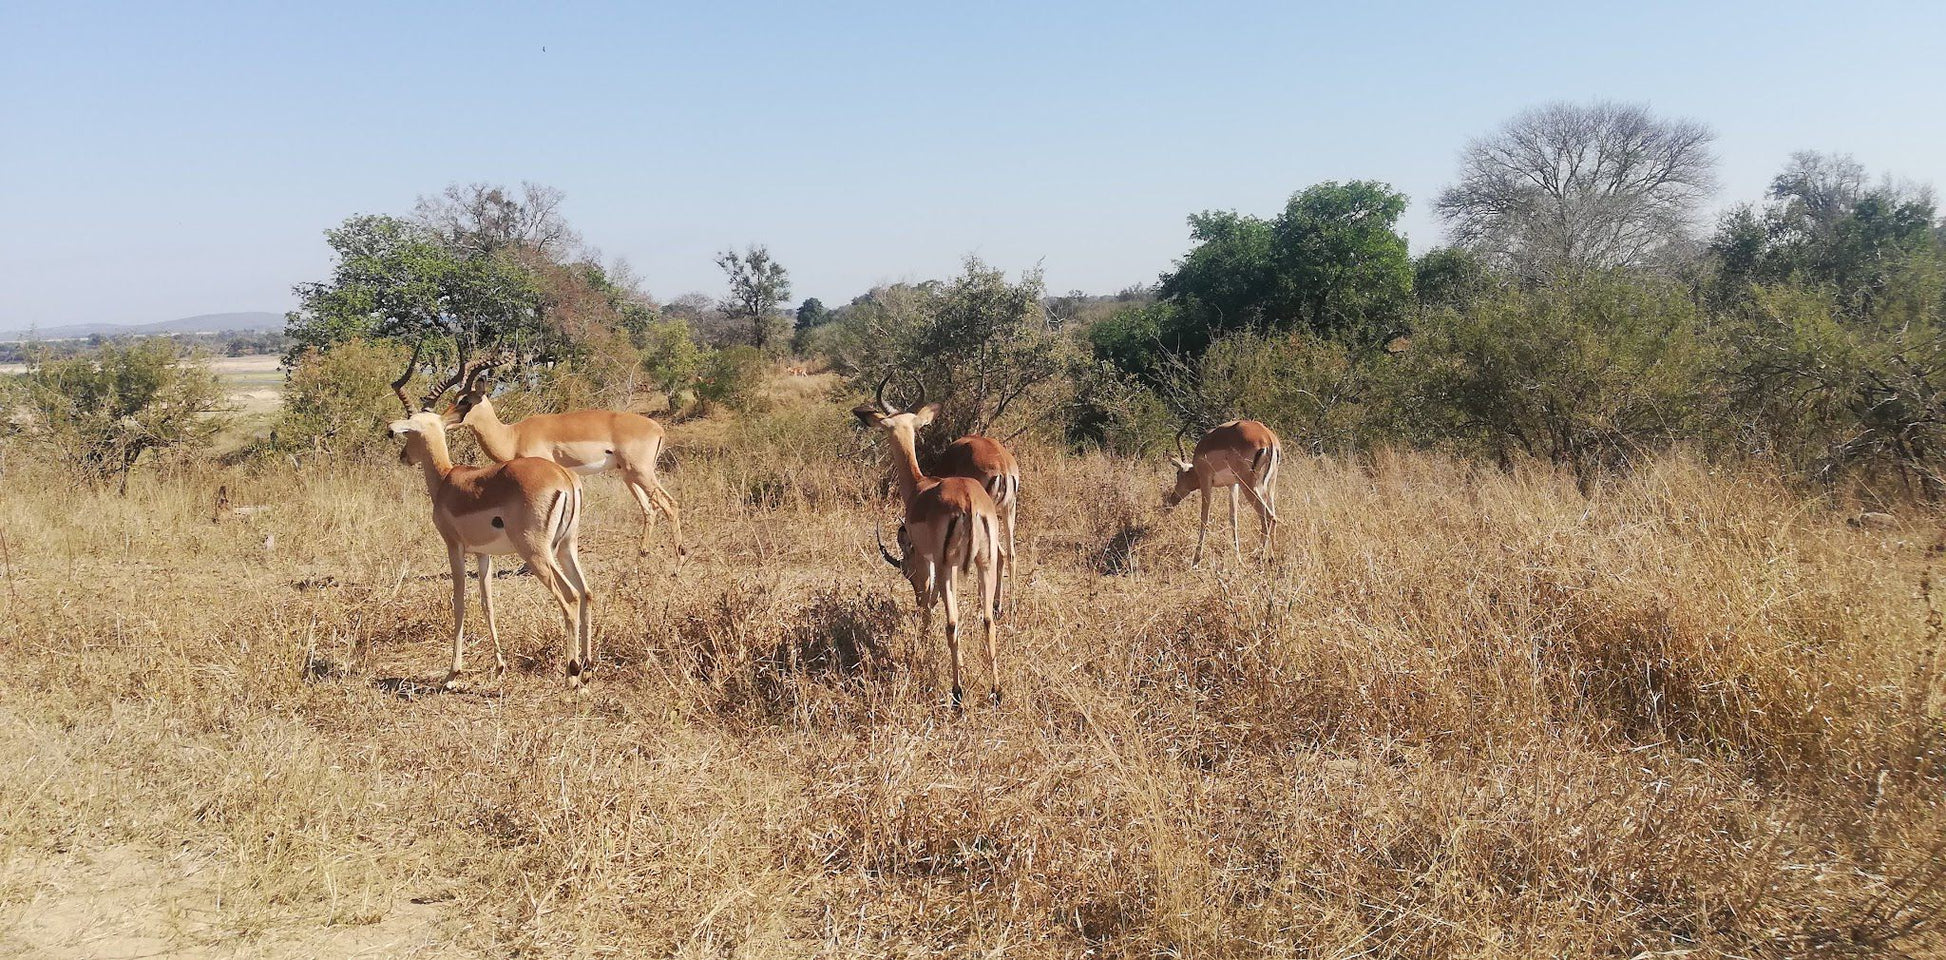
1009 558
569 559
989 603
1265 514
647 503
952 635
486 600
543 567
1236 536
649 493
457 558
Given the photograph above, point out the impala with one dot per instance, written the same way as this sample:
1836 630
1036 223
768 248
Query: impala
526 506
950 529
587 442
985 461
1241 454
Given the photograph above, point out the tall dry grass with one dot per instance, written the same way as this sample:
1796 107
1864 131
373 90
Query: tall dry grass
1462 713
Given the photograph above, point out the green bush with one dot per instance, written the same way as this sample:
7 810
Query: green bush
340 400
732 376
100 413
1586 374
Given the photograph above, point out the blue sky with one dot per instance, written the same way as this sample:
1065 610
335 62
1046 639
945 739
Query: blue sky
161 160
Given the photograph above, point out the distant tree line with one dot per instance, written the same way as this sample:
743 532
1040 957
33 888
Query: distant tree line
233 343
1587 313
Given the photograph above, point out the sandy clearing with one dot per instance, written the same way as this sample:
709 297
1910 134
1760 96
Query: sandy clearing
124 902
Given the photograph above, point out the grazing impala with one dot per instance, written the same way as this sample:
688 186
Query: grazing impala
985 461
585 441
526 506
1241 454
951 528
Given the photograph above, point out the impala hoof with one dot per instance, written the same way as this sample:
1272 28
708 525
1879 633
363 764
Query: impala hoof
959 700
994 696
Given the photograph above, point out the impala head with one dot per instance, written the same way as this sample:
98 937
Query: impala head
473 397
1185 473
415 429
902 424
895 561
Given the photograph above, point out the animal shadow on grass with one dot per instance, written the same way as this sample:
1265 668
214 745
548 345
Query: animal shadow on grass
412 688
753 659
838 637
1120 529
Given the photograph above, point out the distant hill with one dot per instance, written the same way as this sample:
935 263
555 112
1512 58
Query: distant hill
204 323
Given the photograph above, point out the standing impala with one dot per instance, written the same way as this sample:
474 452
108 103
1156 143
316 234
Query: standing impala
526 506
985 461
1241 454
585 441
950 529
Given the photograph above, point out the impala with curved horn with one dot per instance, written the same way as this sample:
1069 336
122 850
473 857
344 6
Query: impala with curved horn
950 529
1242 455
527 506
587 442
989 463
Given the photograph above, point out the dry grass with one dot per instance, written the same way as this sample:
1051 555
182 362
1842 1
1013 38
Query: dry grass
1461 714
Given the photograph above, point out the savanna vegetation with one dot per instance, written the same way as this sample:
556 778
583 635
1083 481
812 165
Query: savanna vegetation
1602 620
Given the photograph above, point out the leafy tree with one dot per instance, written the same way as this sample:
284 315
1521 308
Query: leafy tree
757 285
812 313
672 358
1332 264
394 280
977 344
1875 248
1343 270
1566 187
101 412
1451 277
1227 281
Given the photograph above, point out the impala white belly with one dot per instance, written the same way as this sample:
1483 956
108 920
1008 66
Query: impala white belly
586 459
479 535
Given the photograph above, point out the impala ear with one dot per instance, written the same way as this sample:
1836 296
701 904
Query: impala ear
925 414
867 414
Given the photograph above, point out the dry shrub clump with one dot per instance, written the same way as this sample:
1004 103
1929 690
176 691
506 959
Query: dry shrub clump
1459 713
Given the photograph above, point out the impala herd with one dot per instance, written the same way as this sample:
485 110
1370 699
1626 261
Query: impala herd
956 536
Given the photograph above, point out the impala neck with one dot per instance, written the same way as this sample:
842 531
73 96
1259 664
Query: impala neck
905 465
429 450
495 437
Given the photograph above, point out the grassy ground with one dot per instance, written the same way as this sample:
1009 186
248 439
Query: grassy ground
1462 713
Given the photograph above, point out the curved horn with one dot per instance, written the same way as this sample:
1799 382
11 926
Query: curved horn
878 396
922 394
398 386
878 533
1183 454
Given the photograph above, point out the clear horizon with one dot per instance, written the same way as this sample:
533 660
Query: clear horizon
168 163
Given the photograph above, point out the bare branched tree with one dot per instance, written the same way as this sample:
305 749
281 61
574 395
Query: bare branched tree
1570 187
486 217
